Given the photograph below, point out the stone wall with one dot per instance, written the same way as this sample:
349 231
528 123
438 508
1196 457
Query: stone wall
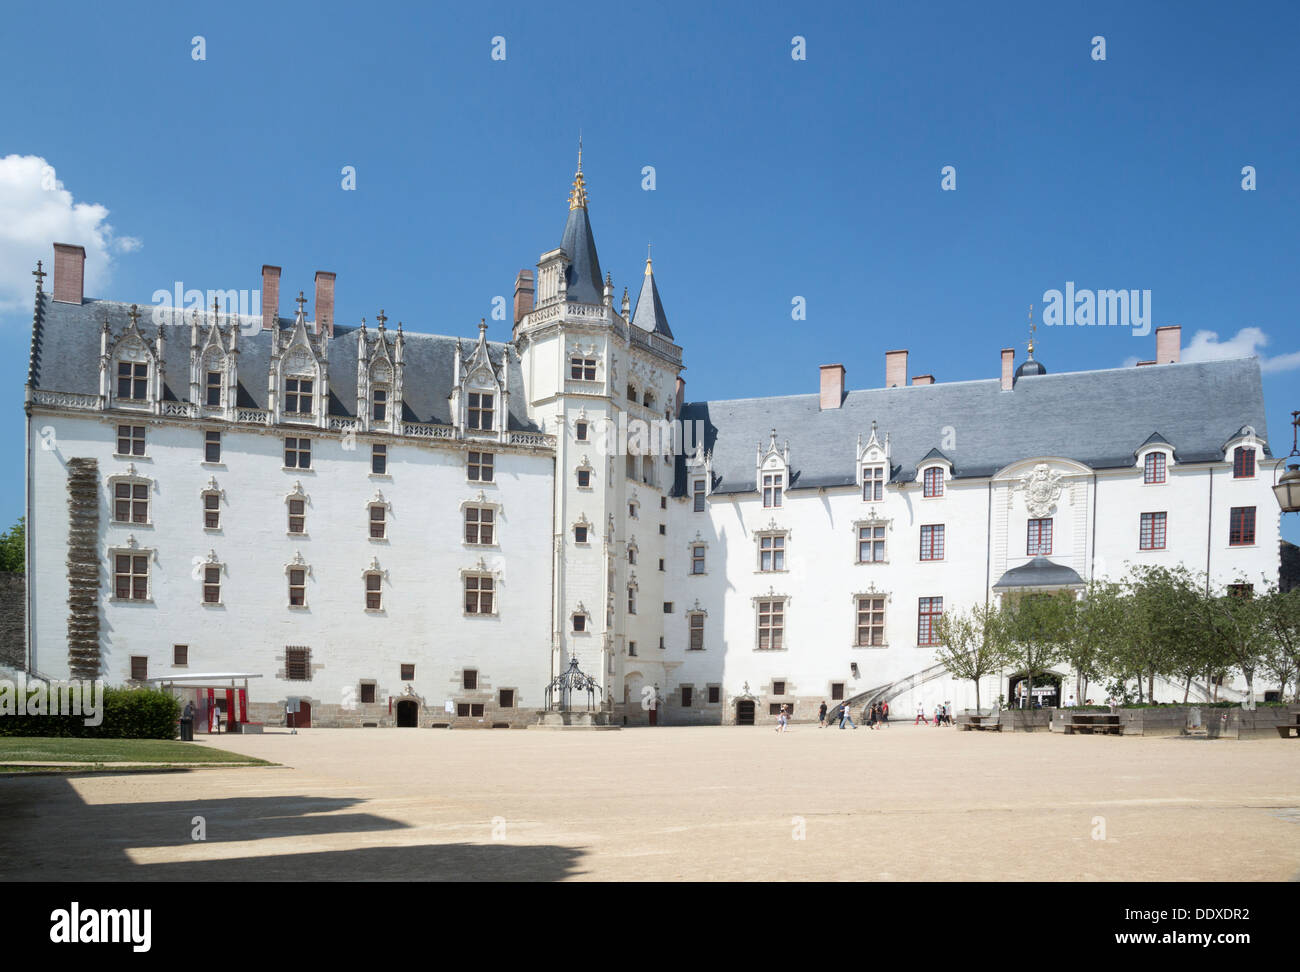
13 620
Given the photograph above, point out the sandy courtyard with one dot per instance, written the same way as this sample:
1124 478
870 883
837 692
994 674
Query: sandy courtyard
907 803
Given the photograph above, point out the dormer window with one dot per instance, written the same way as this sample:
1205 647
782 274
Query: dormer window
212 392
773 484
379 405
133 381
933 482
1153 469
1243 462
480 412
873 484
298 396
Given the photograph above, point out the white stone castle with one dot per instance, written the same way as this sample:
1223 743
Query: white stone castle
398 528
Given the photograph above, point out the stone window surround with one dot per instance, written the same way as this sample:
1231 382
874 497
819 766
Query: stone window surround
132 549
133 478
298 563
872 519
785 599
870 591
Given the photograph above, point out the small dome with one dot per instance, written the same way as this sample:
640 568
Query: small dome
1030 367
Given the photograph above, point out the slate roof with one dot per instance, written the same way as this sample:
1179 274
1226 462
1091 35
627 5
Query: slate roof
1098 418
1039 572
649 314
582 278
65 358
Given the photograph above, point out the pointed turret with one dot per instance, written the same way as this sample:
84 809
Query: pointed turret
649 314
583 276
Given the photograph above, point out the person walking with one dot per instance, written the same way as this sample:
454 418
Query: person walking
884 714
845 716
873 715
782 718
920 714
821 716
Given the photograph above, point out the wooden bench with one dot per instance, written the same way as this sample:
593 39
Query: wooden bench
1106 724
1285 730
990 723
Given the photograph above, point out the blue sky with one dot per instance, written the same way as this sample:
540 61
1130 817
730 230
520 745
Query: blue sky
775 178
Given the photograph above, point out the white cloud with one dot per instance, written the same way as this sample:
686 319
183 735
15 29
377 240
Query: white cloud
1206 346
35 213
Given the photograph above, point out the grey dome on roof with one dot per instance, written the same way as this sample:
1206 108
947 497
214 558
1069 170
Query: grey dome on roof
1030 367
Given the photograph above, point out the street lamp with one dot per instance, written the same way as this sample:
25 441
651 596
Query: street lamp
1287 489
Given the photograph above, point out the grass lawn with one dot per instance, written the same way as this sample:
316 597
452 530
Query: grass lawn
163 751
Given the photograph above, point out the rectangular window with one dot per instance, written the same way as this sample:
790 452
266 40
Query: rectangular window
932 541
139 667
131 577
297 664
297 516
132 381
584 478
213 389
631 649
211 585
579 622
715 694
771 625
379 460
180 655
631 600
928 612
1243 462
298 396
480 467
771 553
580 536
687 694
934 481
212 511
696 633
131 502
374 592
478 594
469 678
480 412
837 691
297 453
697 489
1151 535
663 529
130 440
378 522
407 672
1153 470
668 607
367 692
506 699
778 688
871 622
873 483
211 446
582 369
1241 526
1039 542
871 543
772 484
462 708
478 525
297 586
697 559
378 405
580 431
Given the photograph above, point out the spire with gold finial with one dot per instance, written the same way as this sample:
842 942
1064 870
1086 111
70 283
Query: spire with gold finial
1032 328
578 194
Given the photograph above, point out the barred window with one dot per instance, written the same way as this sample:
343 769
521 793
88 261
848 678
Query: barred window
367 692
1151 535
132 380
480 467
871 622
131 502
130 440
297 663
298 396
131 577
478 594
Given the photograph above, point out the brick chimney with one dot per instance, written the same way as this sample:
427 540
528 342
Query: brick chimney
524 291
832 390
1008 368
325 303
69 273
923 380
270 297
895 369
1169 343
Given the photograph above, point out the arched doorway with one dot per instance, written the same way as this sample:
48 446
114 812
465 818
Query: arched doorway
1047 690
408 714
744 712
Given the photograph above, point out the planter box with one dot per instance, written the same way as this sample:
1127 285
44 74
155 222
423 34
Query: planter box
1026 720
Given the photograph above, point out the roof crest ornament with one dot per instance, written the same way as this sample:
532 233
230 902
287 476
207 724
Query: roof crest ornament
578 194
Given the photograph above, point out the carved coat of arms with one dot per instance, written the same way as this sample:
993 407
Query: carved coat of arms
1042 488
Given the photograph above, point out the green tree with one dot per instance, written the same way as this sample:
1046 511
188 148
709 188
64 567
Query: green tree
13 548
1037 629
1093 623
1281 610
1238 619
972 644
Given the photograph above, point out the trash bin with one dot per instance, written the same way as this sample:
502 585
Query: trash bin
187 730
